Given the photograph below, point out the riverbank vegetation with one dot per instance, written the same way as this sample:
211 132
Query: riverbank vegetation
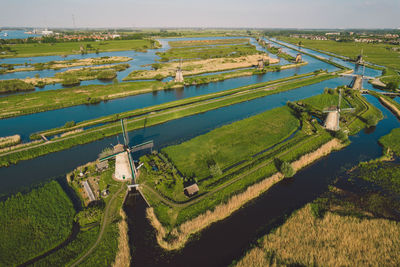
34 223
89 135
69 48
10 141
9 86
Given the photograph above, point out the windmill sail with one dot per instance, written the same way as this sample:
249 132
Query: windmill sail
124 133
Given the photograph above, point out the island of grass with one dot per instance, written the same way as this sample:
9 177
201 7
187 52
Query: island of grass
73 77
60 64
228 168
69 48
12 86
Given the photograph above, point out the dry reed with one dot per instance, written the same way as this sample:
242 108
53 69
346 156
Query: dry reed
331 241
123 257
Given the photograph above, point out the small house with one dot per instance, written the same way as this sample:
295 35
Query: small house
191 190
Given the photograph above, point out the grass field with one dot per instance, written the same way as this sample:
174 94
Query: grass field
380 54
68 48
33 223
231 143
208 42
333 240
205 52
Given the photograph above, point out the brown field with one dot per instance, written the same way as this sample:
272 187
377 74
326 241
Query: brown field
200 66
331 241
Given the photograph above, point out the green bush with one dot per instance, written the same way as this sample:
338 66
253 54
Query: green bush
107 75
69 124
70 81
317 210
15 86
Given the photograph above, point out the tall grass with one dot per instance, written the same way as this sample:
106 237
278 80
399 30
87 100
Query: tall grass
330 241
123 257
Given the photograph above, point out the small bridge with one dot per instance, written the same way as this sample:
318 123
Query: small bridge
355 75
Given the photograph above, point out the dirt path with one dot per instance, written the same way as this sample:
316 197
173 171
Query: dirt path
104 224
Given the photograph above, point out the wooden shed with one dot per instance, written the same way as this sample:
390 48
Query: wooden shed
191 190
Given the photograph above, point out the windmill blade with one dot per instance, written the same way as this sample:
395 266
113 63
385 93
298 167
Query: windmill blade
123 132
126 132
340 98
132 165
348 109
110 156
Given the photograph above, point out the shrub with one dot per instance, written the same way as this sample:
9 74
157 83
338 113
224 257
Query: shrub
69 124
341 135
107 75
285 168
317 210
70 81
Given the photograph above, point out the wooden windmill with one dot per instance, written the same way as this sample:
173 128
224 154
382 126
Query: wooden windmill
125 167
332 120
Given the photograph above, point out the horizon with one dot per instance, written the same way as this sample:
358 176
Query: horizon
288 14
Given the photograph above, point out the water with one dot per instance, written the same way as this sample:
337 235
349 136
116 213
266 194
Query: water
165 134
28 124
16 34
227 240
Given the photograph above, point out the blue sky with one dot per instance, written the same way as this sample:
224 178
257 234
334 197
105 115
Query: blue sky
202 13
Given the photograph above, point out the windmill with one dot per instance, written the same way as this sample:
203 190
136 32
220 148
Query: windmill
179 75
125 167
332 120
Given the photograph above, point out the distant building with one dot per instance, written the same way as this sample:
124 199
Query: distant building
47 32
88 191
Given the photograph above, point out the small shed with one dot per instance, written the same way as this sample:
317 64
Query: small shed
102 165
191 190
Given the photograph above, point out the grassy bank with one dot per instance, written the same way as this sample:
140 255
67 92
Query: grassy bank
9 86
146 121
69 48
34 223
391 142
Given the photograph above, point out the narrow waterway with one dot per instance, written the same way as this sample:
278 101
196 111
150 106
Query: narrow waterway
56 164
227 240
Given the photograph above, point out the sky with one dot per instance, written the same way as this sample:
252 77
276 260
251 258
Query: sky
201 13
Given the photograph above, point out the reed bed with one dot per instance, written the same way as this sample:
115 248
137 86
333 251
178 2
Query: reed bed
333 240
123 257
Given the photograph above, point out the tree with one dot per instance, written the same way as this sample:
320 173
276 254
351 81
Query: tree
392 85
